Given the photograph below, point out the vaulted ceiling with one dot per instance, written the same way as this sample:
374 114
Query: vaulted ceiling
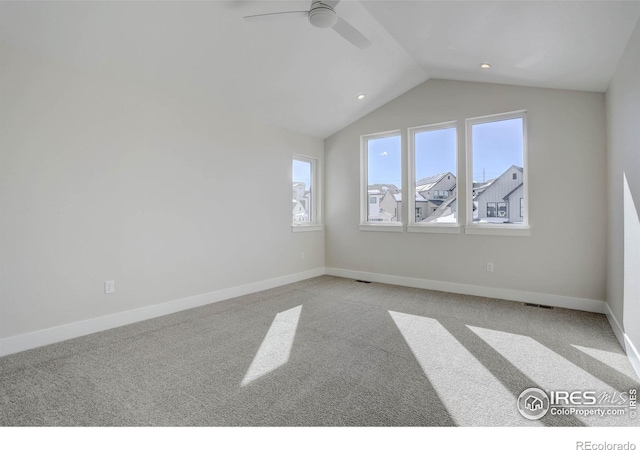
288 73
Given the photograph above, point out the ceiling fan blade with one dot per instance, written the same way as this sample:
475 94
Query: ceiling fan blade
331 3
344 29
277 14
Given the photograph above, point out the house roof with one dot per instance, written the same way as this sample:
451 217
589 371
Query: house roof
419 198
424 184
506 197
496 179
301 203
430 179
382 188
482 184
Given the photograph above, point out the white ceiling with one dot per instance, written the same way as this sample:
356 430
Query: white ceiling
554 44
287 73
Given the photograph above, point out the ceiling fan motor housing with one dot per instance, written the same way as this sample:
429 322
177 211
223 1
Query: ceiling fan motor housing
322 16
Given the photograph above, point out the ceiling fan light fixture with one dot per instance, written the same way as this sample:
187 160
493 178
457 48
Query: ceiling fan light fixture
322 17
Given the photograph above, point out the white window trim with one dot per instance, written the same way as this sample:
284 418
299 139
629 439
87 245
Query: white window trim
393 227
308 227
497 229
365 225
412 225
316 196
445 228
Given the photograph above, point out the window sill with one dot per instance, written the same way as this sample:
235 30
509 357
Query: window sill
448 229
498 230
396 227
303 228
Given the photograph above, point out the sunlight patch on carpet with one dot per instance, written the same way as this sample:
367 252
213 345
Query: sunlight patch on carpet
543 365
611 359
276 347
452 369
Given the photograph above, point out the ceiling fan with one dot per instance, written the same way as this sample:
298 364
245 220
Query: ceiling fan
322 15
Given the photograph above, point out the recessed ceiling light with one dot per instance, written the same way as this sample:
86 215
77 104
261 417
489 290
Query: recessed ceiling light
485 66
360 96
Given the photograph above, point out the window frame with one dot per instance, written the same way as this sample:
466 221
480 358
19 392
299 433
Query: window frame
419 227
523 229
315 222
365 224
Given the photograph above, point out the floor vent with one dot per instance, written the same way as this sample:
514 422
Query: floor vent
535 305
362 281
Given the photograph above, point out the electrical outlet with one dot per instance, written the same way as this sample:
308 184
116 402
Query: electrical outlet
301 255
489 267
109 287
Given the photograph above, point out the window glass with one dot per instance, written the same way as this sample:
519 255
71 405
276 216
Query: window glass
498 170
302 176
384 179
434 170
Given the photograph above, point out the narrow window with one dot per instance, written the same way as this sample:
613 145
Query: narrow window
432 170
496 154
382 178
306 193
302 191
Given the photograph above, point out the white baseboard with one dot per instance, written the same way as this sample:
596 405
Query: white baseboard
615 325
626 344
581 304
632 353
15 344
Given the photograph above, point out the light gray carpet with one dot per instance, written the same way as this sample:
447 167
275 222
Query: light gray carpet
360 355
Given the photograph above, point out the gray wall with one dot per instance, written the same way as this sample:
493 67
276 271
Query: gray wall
623 123
104 176
565 254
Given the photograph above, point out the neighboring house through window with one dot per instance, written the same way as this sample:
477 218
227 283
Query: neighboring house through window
381 179
496 155
495 198
432 168
306 193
